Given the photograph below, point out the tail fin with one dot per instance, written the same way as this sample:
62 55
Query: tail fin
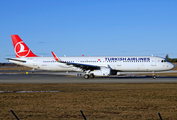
21 49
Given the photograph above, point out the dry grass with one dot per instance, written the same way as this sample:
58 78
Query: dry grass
15 68
175 66
98 101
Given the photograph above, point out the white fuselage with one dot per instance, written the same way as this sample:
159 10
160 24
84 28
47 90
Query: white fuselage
118 63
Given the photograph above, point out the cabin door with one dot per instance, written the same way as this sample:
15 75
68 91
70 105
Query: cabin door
153 62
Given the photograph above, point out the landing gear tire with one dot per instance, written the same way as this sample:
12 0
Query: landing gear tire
154 77
86 76
92 76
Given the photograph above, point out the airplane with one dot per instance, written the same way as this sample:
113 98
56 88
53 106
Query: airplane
91 66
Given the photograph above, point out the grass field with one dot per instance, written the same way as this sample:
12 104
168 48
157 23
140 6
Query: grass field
98 101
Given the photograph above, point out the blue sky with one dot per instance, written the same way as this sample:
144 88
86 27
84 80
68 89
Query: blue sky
90 27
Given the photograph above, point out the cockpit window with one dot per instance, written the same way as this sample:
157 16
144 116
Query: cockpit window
163 61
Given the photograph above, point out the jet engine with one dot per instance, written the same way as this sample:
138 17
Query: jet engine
104 71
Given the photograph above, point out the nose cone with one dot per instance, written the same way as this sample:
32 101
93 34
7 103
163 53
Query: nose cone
171 66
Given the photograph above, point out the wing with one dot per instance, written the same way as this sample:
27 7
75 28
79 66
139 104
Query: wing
82 66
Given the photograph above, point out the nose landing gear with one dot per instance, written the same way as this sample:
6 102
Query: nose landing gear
153 75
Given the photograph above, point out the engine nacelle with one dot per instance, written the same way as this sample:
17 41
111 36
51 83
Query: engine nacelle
103 71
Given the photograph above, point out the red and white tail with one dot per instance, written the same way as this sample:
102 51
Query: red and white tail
21 49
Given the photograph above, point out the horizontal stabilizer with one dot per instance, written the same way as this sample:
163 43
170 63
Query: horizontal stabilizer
15 60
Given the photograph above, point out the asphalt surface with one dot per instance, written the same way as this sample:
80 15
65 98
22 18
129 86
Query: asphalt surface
46 78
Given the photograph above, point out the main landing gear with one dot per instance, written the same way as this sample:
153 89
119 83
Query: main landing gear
87 76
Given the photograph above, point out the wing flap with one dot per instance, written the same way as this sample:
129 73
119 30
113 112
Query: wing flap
83 66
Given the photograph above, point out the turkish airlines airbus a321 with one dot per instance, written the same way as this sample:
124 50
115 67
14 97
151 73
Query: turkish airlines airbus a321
92 66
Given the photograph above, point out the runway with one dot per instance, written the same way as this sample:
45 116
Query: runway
44 78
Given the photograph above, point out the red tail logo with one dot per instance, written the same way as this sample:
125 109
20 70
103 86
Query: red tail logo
21 49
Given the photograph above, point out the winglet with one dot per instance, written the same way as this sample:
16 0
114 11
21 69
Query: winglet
56 58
